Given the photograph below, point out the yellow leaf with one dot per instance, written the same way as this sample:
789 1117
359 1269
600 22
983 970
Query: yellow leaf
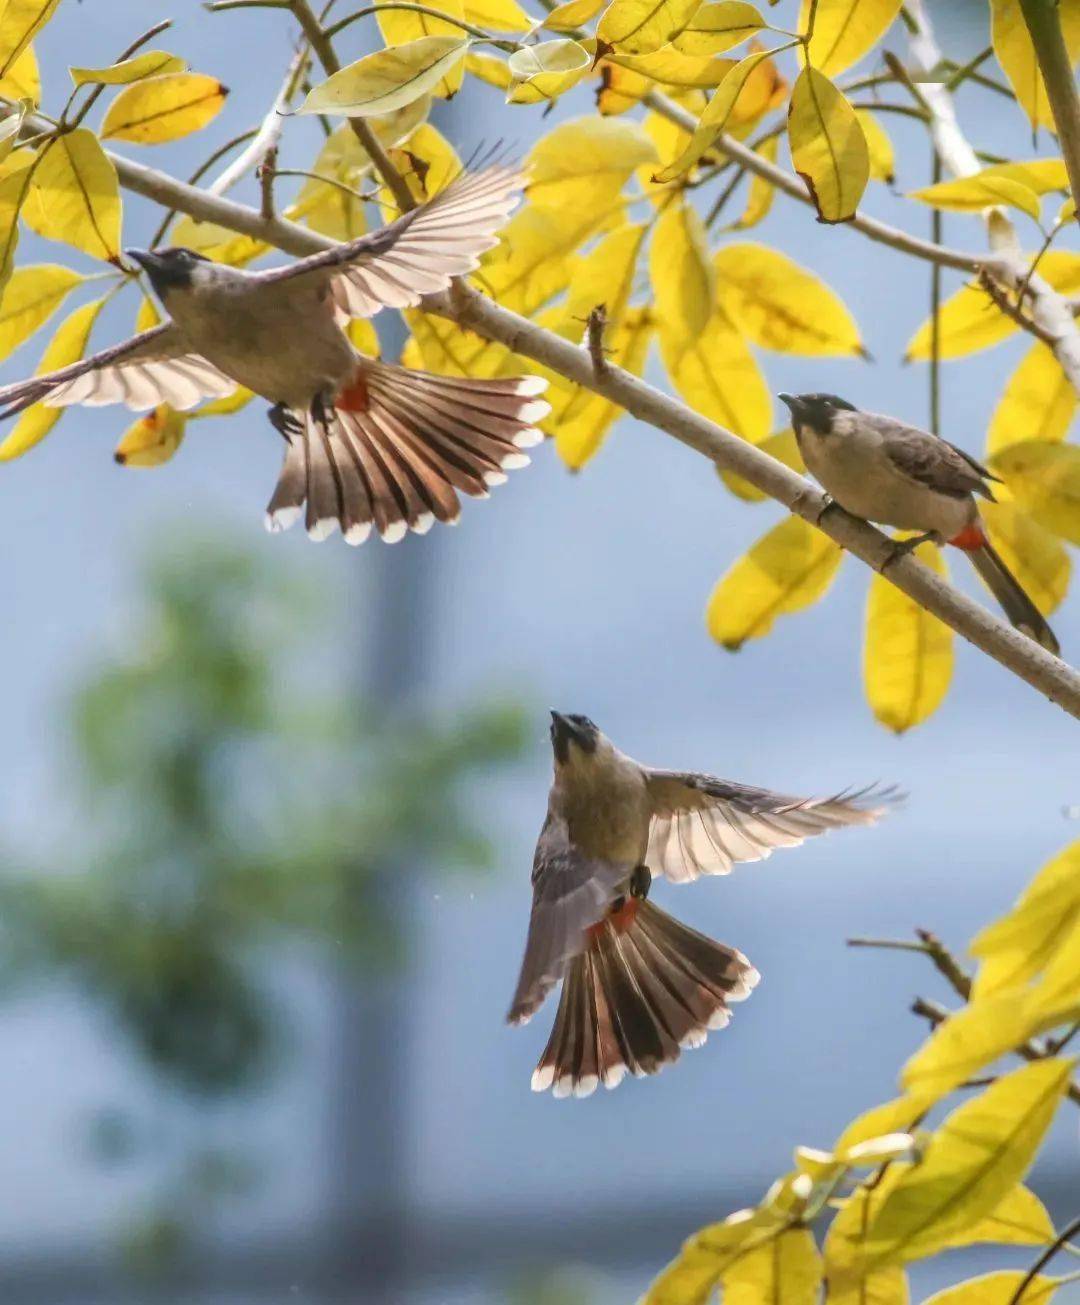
882 159
620 88
14 192
151 64
1036 557
1038 403
1040 175
75 197
779 305
387 79
692 1277
22 81
68 345
361 331
845 30
996 1289
400 26
718 376
828 148
20 22
974 1036
497 15
427 161
718 27
638 26
534 260
32 296
572 15
606 277
682 276
1015 53
586 418
544 72
495 72
1018 1219
673 69
161 109
437 345
975 193
848 1284
894 1116
969 320
221 244
152 440
1044 478
1056 998
240 398
1015 948
787 570
784 447
977 1155
761 193
586 162
717 112
786 1270
10 126
907 653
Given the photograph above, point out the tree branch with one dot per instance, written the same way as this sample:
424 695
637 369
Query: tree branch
1044 26
1022 656
1051 318
323 48
1066 1235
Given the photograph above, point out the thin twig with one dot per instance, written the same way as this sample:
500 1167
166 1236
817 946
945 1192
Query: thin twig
946 963
1013 311
324 52
137 44
410 7
266 175
1066 1234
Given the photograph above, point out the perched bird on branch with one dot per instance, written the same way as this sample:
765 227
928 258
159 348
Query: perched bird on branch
883 470
638 986
368 444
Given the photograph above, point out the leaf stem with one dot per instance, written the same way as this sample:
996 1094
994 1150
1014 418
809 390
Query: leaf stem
427 11
1044 26
1064 1236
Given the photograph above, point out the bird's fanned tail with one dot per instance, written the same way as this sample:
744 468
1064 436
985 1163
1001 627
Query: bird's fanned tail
645 987
399 446
1015 602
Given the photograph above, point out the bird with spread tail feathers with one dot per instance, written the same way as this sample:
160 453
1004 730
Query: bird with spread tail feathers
886 471
638 986
368 445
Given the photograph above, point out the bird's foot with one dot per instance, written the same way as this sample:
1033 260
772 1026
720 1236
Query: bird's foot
284 421
640 882
903 547
319 411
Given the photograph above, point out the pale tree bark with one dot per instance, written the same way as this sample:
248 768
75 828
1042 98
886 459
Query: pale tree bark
1059 682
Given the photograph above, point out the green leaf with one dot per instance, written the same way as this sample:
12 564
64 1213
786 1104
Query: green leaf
387 79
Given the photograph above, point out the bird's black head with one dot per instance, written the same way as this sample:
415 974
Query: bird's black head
816 410
168 269
578 730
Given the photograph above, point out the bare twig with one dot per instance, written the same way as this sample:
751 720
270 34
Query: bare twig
324 51
945 963
594 335
135 45
1067 1233
1014 312
266 175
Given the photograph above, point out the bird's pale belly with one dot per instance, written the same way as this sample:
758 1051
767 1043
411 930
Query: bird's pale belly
284 356
864 483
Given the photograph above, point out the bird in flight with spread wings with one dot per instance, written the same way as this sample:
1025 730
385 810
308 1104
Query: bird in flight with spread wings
367 444
638 985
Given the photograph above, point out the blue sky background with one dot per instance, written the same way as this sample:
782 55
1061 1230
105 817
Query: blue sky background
585 593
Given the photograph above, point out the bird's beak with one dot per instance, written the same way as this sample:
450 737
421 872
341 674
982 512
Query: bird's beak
563 731
144 258
793 402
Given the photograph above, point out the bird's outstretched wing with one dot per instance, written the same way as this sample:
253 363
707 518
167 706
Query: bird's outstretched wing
571 893
421 252
933 461
703 826
153 367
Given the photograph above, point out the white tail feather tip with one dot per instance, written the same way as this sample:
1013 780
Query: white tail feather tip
282 519
322 529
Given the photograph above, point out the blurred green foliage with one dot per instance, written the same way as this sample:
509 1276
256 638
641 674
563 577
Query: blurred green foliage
234 796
